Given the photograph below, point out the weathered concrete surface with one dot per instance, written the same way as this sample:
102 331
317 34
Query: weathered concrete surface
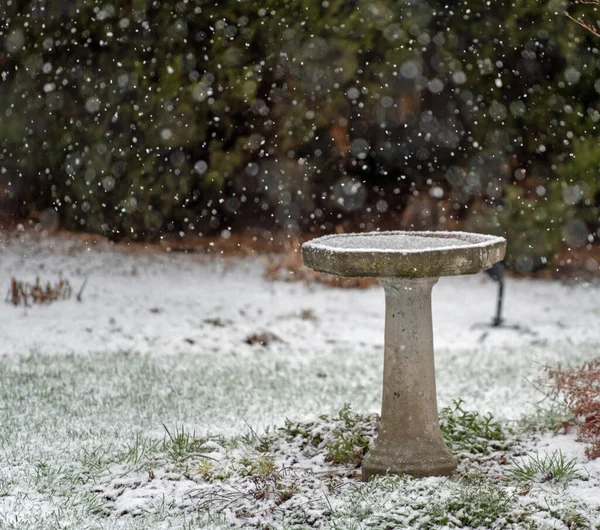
409 440
403 254
407 265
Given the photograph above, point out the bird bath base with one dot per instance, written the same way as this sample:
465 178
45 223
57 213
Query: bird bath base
407 265
409 440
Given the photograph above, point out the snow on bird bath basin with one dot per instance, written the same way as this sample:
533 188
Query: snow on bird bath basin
403 254
407 264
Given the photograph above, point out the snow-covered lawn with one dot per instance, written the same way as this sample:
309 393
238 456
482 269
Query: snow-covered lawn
146 406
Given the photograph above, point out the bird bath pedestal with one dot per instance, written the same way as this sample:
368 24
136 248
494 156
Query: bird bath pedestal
407 264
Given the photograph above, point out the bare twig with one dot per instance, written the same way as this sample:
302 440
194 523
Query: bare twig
592 29
584 24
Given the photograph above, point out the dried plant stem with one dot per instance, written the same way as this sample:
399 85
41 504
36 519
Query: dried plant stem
80 293
22 293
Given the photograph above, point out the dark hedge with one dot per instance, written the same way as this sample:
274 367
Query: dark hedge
142 118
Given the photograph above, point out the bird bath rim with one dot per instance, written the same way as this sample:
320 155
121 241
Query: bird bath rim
425 254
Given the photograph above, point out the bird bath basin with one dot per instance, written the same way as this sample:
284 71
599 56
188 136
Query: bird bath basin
407 265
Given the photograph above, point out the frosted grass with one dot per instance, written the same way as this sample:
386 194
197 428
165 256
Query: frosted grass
68 420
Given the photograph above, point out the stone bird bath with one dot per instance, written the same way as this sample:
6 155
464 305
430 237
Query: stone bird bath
407 264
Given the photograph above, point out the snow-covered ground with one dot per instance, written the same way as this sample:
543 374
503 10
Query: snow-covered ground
161 341
206 309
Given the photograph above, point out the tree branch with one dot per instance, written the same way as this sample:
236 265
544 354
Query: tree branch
584 24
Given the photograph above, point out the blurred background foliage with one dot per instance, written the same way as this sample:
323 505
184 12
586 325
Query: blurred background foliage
145 119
